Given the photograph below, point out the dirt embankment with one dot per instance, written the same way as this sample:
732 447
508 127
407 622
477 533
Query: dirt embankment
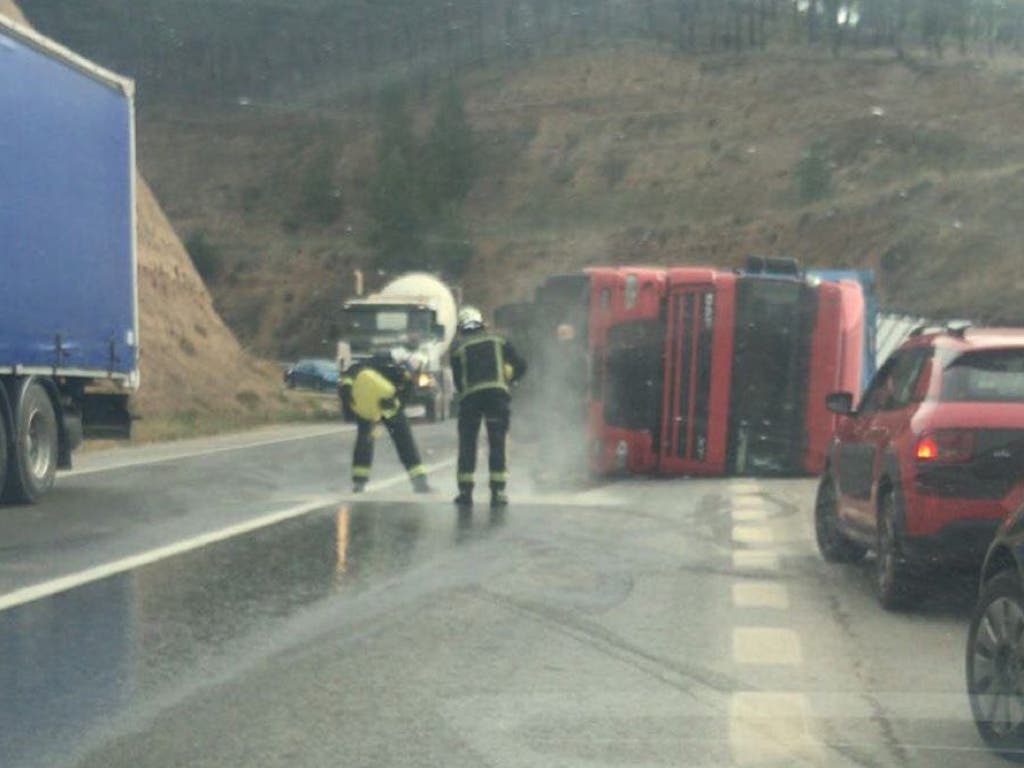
11 11
190 361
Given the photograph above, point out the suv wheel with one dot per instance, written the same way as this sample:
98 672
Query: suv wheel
833 545
995 665
895 583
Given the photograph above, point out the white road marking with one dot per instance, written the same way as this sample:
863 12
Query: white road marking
771 729
71 581
65 583
749 514
752 534
199 452
766 645
742 499
747 560
760 594
390 482
745 487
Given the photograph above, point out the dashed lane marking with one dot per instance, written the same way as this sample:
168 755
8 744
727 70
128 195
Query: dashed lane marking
771 729
742 499
766 645
745 487
752 534
749 515
752 560
760 594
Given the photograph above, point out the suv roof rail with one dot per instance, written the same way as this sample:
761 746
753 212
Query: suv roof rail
953 327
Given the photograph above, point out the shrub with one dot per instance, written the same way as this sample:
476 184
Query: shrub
813 177
206 257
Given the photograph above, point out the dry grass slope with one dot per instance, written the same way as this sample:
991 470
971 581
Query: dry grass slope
11 11
637 154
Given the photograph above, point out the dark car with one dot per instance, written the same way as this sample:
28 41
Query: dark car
312 373
928 466
995 643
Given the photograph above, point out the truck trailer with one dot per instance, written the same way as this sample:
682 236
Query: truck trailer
69 340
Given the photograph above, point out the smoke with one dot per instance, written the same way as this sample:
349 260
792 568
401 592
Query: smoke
549 432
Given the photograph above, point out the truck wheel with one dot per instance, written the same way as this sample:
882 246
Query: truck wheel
32 467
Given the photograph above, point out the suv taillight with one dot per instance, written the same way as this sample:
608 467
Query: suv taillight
948 445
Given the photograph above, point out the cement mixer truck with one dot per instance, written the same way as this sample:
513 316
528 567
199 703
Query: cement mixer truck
415 312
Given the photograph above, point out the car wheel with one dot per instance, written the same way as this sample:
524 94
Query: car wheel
833 545
895 583
995 665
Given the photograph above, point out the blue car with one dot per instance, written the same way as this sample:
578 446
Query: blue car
312 373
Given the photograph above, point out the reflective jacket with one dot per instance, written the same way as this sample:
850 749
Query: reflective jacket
374 389
482 360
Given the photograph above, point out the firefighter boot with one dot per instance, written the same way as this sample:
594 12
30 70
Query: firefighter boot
359 485
465 497
420 484
499 499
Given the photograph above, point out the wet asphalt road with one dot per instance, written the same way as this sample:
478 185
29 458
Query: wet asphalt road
647 623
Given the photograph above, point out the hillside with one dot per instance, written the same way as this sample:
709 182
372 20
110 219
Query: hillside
643 156
195 375
637 154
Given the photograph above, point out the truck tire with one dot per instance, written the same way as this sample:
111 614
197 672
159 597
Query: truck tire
32 465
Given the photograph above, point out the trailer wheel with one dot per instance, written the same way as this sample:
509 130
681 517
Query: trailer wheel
32 467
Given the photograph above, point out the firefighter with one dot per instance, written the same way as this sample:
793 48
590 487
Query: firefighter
374 390
484 365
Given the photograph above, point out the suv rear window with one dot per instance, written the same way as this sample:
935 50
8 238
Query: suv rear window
991 375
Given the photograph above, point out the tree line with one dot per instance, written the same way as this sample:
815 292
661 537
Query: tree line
415 196
223 48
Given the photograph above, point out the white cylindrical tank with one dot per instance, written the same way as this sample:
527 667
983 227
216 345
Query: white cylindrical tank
425 288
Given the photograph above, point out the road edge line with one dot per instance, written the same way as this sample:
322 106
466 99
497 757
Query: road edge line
338 430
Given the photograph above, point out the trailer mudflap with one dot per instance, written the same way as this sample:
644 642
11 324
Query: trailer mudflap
106 416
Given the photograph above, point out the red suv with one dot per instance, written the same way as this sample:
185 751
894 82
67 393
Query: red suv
931 461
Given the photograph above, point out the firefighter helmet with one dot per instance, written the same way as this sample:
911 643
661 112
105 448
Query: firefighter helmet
470 319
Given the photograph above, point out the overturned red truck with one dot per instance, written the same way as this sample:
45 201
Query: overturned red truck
705 371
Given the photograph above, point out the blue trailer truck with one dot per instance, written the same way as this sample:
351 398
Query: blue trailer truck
68 294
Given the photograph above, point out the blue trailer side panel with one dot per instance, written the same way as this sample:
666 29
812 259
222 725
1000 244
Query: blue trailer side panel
66 219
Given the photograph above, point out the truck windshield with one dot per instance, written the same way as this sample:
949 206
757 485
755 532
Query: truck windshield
633 371
367 326
989 375
774 323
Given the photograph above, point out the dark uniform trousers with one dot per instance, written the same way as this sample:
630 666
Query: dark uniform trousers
492 407
398 427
